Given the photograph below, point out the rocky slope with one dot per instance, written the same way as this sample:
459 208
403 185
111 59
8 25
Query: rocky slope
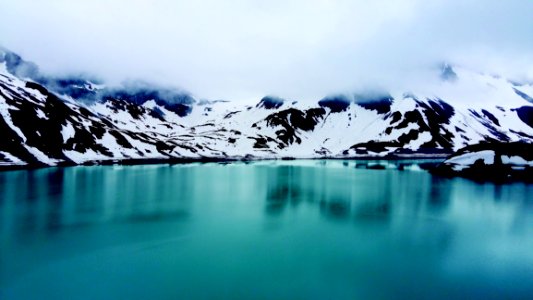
50 121
491 162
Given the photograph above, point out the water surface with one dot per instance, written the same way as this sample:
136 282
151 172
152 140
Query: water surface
265 230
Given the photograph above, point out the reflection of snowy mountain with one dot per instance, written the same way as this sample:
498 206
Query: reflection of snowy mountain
76 120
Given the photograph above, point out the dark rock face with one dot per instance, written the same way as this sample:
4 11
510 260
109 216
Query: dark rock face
12 143
180 109
42 120
84 140
158 114
134 110
396 116
292 120
437 113
335 103
43 134
374 147
381 104
491 117
491 123
525 113
38 87
428 117
260 143
270 102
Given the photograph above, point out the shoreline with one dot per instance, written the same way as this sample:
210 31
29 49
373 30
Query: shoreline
177 161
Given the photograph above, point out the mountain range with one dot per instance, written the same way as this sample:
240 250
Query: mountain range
47 120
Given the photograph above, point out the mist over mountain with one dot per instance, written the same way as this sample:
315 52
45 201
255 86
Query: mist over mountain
299 50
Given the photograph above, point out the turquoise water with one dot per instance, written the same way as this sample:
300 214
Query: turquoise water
265 230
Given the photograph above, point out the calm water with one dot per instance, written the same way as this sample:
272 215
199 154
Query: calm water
266 230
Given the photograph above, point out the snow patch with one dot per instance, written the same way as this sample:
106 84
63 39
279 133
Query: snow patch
41 156
82 157
516 160
41 115
4 112
67 132
470 158
10 159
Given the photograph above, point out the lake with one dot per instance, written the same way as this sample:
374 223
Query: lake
310 229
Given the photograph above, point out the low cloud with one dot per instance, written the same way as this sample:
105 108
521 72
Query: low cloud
300 50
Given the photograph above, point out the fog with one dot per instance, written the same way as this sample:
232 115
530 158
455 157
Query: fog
242 50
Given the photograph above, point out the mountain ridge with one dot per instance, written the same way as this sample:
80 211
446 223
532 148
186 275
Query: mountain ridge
43 125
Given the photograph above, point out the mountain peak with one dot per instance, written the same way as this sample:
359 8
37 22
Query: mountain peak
18 67
447 73
270 102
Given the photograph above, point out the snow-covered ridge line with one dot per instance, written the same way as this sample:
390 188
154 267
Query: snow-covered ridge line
42 127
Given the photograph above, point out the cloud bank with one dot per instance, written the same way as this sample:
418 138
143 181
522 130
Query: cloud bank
242 50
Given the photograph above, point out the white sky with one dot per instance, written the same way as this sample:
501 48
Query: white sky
299 49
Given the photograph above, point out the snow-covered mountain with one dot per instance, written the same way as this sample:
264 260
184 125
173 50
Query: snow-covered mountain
50 121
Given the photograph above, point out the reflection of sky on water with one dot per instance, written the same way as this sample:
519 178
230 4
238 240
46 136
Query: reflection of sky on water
442 227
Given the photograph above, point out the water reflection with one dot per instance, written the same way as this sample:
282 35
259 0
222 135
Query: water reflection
283 189
52 199
348 224
48 200
341 194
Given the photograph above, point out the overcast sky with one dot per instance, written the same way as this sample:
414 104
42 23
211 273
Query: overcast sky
300 49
